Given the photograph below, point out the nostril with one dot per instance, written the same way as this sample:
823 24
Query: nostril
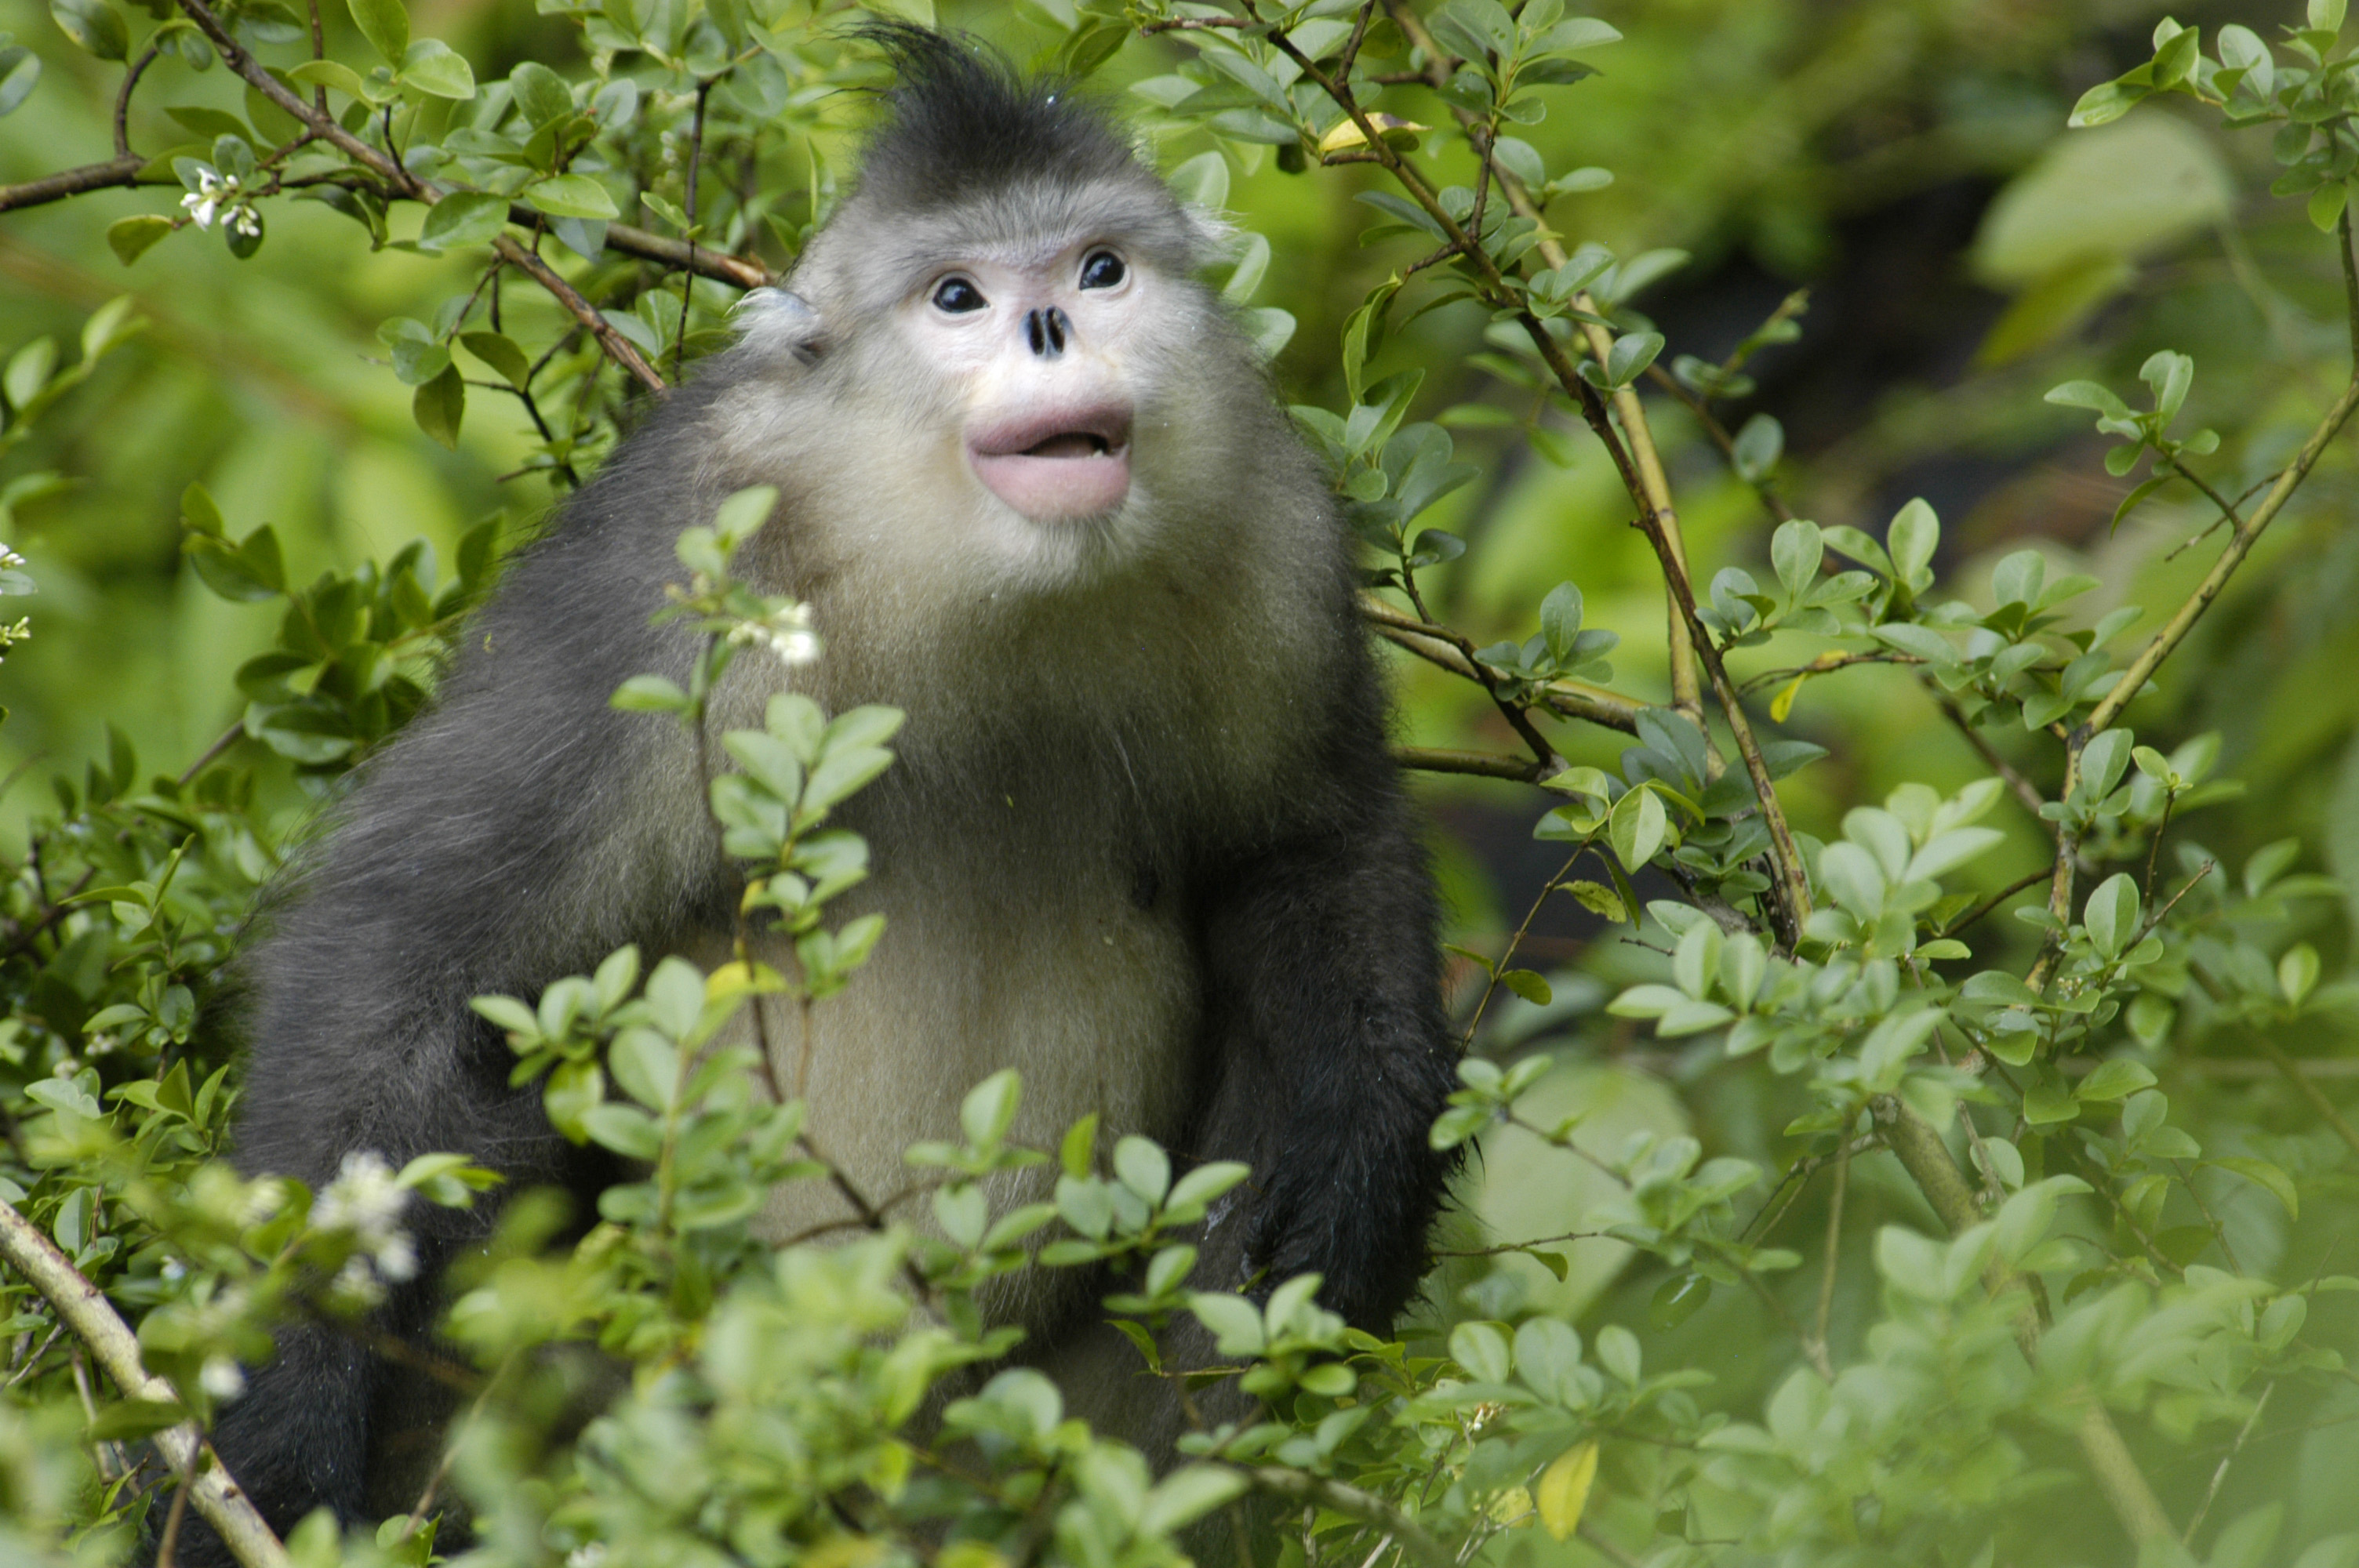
1037 332
1057 326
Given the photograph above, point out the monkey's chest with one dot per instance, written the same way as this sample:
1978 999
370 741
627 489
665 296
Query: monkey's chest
1073 967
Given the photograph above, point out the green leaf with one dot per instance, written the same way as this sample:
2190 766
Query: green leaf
1638 826
2107 102
2261 1172
463 218
2326 204
2112 914
499 352
331 73
572 196
1527 985
1758 446
2298 972
130 237
649 694
386 25
434 68
2044 1105
97 25
440 404
20 71
2116 1079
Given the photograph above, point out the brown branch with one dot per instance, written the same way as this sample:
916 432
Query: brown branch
1789 876
2020 885
718 265
114 173
85 1309
123 100
1482 764
1436 645
618 348
1653 489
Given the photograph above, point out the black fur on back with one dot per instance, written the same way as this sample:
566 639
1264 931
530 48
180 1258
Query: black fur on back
963 122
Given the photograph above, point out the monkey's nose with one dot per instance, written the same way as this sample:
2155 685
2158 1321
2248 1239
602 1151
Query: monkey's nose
1046 330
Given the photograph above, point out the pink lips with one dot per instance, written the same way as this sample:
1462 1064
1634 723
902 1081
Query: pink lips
1057 463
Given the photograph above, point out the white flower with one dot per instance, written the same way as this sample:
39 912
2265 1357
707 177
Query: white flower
263 1198
215 192
365 1200
786 631
247 221
9 559
357 1283
222 1378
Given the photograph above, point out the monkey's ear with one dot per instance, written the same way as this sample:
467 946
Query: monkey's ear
772 320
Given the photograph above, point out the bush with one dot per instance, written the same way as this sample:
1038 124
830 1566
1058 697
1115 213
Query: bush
1962 1234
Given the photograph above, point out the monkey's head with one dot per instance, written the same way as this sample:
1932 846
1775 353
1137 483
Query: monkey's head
1005 308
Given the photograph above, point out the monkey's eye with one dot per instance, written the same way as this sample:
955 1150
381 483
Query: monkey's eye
956 296
1101 269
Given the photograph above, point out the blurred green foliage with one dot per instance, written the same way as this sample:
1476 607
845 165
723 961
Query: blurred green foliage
1908 163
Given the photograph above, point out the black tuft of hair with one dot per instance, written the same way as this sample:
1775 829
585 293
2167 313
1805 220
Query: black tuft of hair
962 120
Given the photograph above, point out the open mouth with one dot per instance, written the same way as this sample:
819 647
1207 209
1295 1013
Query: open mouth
1058 462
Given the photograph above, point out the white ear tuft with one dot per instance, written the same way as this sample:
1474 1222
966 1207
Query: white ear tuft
777 321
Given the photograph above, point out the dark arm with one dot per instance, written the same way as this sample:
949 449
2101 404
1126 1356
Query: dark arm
1333 1053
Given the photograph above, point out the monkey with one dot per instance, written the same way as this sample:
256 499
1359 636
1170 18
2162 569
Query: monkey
1144 838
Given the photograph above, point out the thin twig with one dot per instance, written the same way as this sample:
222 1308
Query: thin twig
688 283
84 1308
2022 788
229 737
123 100
1517 940
1299 1487
2246 534
2018 885
2220 1475
1817 1340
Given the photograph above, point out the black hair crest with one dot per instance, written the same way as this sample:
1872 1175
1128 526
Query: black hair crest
962 121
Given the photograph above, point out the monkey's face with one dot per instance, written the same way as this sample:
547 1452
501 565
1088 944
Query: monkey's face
1035 349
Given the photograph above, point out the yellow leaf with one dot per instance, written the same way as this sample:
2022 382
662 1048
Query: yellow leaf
1511 1509
1783 703
1347 131
1564 1490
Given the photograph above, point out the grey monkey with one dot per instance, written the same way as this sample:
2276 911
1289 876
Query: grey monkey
1144 840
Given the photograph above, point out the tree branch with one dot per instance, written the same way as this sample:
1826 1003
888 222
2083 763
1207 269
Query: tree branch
1574 699
1299 1487
2243 537
84 1308
112 173
618 348
1791 877
1654 488
1485 765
